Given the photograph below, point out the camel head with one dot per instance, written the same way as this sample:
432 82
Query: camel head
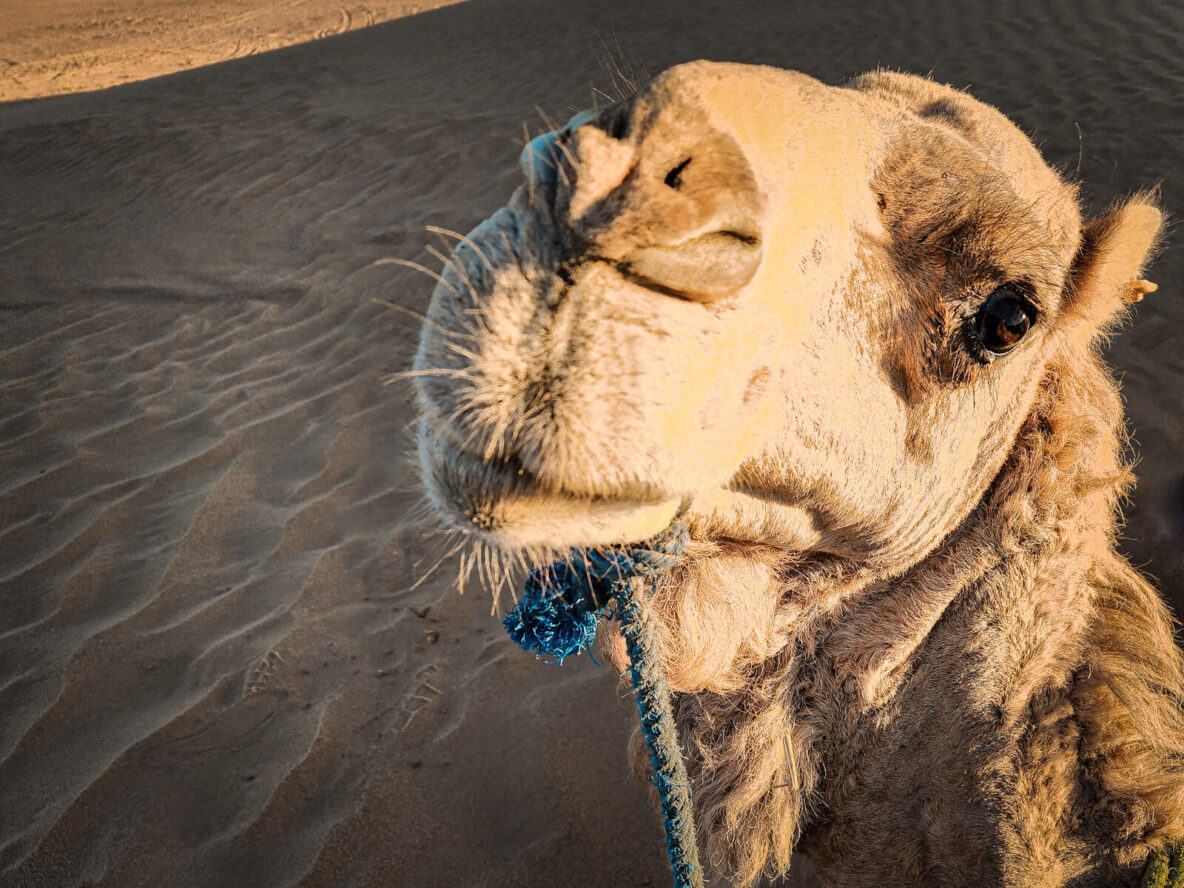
801 315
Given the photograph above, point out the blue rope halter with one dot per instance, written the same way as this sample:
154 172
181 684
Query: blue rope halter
557 618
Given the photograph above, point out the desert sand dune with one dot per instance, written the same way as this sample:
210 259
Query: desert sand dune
70 46
221 663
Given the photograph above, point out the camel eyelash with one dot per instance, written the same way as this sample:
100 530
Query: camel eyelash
1000 321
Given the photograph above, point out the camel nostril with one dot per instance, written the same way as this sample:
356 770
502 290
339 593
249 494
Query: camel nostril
674 177
749 240
617 124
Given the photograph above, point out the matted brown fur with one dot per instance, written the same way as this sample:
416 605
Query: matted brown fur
1007 712
902 641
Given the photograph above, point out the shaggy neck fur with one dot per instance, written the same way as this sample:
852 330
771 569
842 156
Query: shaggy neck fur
806 686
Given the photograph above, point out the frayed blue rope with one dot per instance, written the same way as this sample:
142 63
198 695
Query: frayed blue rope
556 618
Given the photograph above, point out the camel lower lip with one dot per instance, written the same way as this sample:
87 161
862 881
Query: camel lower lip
508 506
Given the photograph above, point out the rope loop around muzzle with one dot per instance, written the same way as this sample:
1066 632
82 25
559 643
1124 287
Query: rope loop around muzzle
557 617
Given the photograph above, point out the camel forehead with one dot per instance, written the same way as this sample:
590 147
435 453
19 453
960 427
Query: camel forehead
763 106
783 120
932 111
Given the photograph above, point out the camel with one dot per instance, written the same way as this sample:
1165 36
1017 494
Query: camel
851 336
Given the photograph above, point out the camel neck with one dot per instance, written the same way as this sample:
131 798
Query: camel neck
814 691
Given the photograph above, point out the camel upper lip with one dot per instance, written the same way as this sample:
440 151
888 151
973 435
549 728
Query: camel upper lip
566 273
640 280
637 267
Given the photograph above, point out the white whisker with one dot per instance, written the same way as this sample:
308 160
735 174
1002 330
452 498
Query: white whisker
448 232
409 264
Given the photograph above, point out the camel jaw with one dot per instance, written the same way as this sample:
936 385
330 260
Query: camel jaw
500 501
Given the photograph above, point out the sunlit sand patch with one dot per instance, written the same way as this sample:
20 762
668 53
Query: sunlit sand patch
49 49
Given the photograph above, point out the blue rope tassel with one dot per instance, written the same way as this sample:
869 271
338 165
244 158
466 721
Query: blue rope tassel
557 617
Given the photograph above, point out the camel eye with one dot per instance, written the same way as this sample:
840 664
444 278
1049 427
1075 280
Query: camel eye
1003 320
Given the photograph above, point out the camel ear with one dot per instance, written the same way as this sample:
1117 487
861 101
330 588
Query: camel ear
1106 271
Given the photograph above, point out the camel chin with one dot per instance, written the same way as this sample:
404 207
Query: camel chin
513 511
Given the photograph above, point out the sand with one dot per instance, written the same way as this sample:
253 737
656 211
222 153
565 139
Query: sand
224 659
51 47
